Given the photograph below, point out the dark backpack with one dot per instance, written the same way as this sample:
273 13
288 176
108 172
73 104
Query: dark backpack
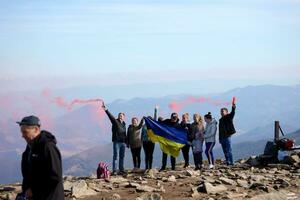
271 149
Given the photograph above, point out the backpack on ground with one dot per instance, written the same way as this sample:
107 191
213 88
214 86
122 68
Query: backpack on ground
103 171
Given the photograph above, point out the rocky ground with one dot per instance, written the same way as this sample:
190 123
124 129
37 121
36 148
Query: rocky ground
246 180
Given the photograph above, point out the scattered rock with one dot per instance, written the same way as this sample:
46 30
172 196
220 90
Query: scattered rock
172 178
257 177
116 197
150 196
282 182
191 173
145 188
253 161
227 181
271 196
210 189
242 183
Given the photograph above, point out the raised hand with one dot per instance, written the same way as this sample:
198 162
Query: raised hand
103 105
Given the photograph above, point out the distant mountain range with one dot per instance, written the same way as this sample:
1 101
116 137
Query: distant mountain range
80 130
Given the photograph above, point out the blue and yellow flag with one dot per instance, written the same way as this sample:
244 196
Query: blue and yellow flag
171 139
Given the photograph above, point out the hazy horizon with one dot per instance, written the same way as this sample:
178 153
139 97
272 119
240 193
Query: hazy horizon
185 46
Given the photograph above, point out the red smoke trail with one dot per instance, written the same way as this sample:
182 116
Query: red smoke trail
97 114
61 102
177 106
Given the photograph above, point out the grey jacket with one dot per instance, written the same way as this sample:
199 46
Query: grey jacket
134 139
210 131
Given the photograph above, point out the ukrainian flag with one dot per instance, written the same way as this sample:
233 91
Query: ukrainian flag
171 139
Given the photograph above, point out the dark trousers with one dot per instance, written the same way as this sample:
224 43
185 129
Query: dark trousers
209 152
186 154
136 157
198 159
148 149
164 161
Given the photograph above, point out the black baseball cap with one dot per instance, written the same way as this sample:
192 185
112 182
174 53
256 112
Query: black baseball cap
30 121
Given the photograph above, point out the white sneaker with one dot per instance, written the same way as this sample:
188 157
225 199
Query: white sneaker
211 166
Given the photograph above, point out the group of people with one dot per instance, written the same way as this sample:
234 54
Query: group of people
199 132
42 163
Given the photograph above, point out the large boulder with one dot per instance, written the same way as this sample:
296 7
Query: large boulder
80 189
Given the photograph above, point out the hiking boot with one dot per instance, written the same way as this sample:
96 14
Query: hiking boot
186 166
122 172
162 169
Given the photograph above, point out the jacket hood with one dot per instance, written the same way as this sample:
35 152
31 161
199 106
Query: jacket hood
214 121
48 137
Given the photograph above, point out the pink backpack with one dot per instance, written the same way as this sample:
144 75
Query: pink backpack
103 171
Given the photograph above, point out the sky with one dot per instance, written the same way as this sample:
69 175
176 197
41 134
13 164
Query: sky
208 45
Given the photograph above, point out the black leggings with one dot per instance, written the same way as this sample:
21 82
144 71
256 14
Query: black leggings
186 154
198 159
164 161
136 157
148 149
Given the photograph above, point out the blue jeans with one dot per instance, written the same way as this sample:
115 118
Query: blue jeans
118 147
226 146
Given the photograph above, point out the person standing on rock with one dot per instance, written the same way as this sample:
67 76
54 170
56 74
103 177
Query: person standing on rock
210 138
186 149
41 163
197 132
148 145
118 138
173 121
134 141
226 130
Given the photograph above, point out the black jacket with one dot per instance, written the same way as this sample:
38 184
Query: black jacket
42 168
169 122
226 127
187 126
118 129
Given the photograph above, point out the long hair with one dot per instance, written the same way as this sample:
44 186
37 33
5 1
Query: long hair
199 117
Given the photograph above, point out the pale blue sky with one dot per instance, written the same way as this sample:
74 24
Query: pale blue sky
79 42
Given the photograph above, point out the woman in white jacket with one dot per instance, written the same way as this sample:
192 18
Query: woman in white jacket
210 138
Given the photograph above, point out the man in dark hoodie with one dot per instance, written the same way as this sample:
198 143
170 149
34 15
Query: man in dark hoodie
41 163
119 139
173 121
226 130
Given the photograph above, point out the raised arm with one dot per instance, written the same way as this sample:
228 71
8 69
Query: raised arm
141 123
155 113
232 113
110 116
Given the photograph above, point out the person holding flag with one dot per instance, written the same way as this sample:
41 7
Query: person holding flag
148 145
170 136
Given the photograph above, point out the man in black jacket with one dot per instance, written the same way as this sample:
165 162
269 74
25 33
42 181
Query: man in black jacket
118 139
41 163
173 121
226 130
